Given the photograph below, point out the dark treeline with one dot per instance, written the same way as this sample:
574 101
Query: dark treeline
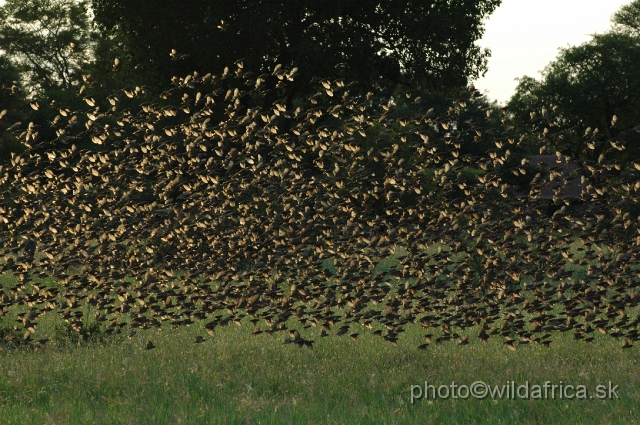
55 45
54 50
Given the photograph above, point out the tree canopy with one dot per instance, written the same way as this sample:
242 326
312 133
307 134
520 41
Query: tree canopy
593 85
627 18
427 42
11 102
60 47
49 40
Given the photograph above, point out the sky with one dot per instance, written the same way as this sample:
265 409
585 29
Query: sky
524 36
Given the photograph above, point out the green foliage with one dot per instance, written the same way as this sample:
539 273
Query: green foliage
50 40
59 46
112 65
595 85
627 19
428 43
12 106
90 332
10 336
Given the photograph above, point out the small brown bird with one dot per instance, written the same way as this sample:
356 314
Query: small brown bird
484 337
317 196
199 340
149 345
511 344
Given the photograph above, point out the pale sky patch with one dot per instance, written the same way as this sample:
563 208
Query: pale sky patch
524 36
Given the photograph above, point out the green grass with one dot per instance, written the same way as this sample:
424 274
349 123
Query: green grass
238 378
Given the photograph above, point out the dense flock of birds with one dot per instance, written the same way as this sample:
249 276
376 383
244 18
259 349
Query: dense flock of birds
198 206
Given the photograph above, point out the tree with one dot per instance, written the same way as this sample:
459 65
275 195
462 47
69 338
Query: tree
587 86
426 43
627 19
12 105
49 40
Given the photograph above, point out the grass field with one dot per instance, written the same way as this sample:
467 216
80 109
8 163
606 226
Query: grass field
237 378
